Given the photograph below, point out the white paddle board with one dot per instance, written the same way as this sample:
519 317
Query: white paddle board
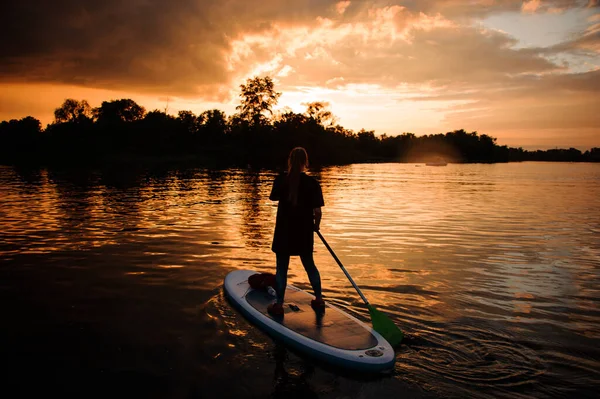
333 335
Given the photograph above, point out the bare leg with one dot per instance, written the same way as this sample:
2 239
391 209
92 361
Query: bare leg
283 262
313 273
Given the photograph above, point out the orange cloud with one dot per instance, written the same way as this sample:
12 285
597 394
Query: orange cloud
530 6
341 6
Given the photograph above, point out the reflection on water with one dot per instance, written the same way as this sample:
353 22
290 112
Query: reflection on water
492 271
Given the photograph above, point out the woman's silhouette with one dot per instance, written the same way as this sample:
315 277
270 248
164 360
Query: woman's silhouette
298 216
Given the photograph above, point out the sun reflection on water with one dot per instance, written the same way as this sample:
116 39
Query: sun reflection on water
478 264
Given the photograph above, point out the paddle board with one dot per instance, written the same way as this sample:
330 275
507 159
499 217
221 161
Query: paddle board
332 335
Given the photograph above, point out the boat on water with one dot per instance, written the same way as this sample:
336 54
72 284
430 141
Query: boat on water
436 163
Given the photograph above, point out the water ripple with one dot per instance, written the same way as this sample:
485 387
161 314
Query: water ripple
492 271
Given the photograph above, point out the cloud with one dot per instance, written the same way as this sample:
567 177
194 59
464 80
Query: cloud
458 9
148 45
203 49
568 101
585 42
588 41
112 44
341 6
390 47
530 6
593 3
186 47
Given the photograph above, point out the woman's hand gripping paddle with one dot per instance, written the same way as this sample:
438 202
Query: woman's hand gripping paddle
381 323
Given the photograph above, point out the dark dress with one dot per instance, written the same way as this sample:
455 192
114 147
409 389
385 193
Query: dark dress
294 228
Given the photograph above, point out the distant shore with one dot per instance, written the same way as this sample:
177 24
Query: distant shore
121 131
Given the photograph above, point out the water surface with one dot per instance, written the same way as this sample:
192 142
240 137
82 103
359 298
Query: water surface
111 280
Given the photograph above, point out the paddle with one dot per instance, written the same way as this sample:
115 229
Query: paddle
381 323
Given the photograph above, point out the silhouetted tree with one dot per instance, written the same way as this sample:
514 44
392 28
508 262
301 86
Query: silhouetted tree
124 110
73 111
20 139
258 98
367 143
214 122
290 131
158 133
319 111
253 136
592 155
213 126
189 121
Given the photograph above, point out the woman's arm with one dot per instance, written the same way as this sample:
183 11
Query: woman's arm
317 217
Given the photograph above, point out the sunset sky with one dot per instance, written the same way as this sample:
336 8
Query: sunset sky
527 72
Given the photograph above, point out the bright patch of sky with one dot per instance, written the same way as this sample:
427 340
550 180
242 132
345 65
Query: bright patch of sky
386 110
541 29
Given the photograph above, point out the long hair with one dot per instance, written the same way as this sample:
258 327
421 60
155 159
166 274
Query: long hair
297 160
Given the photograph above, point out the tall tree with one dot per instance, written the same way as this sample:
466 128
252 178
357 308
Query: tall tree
258 98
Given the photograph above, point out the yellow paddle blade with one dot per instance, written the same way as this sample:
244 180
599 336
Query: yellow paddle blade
386 327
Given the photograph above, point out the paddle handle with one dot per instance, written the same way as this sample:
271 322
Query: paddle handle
343 268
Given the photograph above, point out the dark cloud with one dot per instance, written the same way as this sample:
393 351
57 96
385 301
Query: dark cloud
112 44
185 47
152 45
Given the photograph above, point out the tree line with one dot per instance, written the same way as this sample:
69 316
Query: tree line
122 130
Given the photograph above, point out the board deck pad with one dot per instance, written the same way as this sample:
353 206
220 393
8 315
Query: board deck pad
329 327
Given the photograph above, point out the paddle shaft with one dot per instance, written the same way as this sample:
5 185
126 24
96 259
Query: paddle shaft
343 268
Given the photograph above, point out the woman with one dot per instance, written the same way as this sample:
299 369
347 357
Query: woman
298 216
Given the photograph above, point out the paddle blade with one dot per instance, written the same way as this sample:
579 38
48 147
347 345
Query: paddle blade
386 327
